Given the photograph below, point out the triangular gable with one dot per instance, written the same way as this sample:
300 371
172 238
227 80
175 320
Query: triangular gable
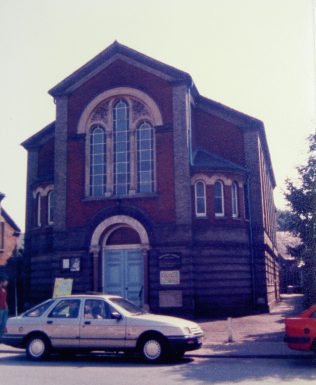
114 52
117 51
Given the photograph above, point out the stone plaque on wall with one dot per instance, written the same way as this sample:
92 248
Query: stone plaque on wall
171 261
170 298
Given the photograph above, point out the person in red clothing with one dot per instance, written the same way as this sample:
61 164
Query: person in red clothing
3 305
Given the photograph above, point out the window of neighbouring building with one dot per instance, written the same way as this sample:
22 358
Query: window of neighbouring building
219 198
200 199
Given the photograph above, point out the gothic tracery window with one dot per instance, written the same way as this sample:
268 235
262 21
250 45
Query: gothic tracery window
121 149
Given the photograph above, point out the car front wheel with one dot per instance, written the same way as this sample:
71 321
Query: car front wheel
153 349
37 348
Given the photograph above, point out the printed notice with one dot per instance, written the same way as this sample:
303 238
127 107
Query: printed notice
169 277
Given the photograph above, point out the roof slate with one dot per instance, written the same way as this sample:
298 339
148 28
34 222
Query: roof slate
203 160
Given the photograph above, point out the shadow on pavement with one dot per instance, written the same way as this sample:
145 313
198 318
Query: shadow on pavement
82 360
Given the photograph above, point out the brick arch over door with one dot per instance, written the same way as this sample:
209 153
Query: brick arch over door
104 230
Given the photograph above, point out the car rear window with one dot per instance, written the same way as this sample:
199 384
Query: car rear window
38 310
127 305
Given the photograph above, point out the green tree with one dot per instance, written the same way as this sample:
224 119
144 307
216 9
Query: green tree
301 196
284 220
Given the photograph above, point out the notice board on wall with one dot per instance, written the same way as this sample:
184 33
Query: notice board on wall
62 286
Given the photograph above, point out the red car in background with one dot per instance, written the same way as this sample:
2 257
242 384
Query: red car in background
300 331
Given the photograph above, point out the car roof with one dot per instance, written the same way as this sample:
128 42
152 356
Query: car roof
80 296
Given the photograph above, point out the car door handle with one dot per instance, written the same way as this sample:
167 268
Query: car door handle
87 322
49 322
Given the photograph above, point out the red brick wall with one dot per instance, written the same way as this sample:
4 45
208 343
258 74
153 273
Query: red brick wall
218 136
160 208
46 159
120 74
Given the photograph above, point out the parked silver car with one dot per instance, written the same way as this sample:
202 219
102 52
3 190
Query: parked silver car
100 322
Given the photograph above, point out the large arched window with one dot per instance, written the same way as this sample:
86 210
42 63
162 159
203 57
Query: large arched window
120 143
97 161
219 198
51 207
235 208
200 199
145 158
121 148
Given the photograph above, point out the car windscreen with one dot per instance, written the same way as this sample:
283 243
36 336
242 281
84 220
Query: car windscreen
126 305
38 310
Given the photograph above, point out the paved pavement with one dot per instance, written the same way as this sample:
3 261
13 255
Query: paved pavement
258 335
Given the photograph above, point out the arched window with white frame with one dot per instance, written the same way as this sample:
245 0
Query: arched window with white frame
38 209
219 198
51 207
121 148
145 158
97 161
235 205
200 199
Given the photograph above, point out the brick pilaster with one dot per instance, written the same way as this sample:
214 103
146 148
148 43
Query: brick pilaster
61 162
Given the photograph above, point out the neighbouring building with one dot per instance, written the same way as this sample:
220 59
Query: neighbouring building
9 235
143 187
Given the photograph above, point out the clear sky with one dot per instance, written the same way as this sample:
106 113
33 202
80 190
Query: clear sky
256 56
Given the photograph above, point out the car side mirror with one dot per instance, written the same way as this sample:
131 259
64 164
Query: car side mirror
116 315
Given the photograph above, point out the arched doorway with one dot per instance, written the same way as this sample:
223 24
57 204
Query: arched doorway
123 264
122 243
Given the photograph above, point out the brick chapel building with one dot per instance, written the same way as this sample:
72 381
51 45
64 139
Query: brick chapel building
145 188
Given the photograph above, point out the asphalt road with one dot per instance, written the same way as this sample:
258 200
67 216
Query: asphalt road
15 369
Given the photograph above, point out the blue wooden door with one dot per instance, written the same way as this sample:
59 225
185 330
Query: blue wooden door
124 274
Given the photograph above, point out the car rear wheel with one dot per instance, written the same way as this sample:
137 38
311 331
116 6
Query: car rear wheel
153 349
37 347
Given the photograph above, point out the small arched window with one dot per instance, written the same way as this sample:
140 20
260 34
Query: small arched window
51 207
200 199
121 148
235 208
38 210
97 161
219 198
145 158
246 201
